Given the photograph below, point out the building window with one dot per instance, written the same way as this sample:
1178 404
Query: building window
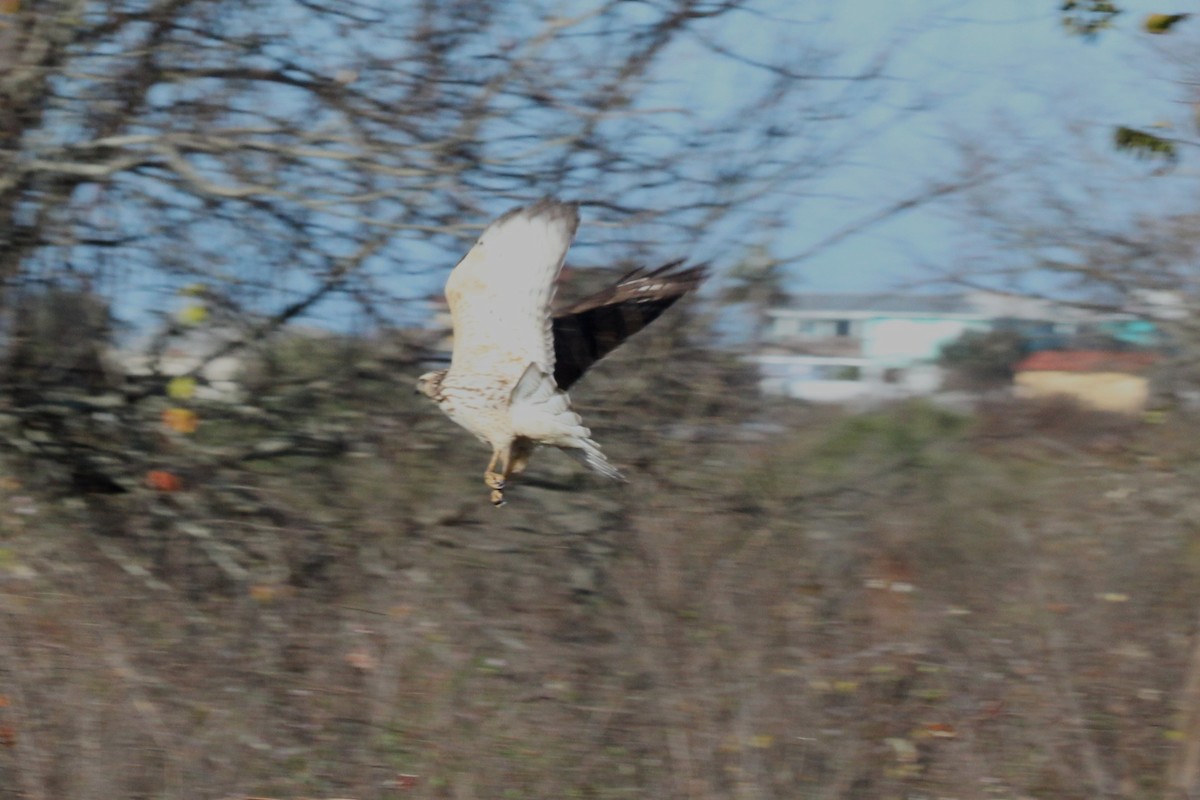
836 372
784 328
842 327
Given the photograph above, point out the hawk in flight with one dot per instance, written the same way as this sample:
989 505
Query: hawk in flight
513 360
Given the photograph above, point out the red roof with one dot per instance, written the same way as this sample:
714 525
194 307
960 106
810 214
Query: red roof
1086 361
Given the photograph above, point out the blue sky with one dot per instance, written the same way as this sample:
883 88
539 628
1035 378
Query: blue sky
970 66
959 70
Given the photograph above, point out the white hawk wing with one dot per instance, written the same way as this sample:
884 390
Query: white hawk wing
500 293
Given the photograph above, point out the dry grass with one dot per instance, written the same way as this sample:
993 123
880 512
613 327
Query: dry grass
899 604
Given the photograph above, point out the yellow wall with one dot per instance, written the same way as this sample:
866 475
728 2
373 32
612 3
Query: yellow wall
1103 391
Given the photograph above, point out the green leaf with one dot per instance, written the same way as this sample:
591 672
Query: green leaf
193 315
1145 145
1162 23
181 388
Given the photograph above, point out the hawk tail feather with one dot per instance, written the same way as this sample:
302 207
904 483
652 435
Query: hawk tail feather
542 412
590 456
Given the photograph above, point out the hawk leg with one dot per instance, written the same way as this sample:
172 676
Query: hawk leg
493 479
496 480
519 455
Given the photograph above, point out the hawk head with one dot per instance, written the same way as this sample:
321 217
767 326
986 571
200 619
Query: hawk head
430 385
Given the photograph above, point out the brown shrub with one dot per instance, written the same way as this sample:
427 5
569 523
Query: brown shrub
870 606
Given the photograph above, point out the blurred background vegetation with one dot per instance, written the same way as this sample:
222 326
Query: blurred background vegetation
238 557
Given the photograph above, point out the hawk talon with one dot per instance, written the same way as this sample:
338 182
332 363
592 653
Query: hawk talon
498 498
493 480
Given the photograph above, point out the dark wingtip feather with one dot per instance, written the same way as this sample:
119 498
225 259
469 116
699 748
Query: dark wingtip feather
683 280
589 330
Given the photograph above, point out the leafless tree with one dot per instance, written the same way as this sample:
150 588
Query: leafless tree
288 159
284 152
1094 214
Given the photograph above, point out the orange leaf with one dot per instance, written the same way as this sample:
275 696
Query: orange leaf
264 592
180 420
163 481
8 736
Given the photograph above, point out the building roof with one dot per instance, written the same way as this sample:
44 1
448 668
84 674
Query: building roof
1086 361
856 303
